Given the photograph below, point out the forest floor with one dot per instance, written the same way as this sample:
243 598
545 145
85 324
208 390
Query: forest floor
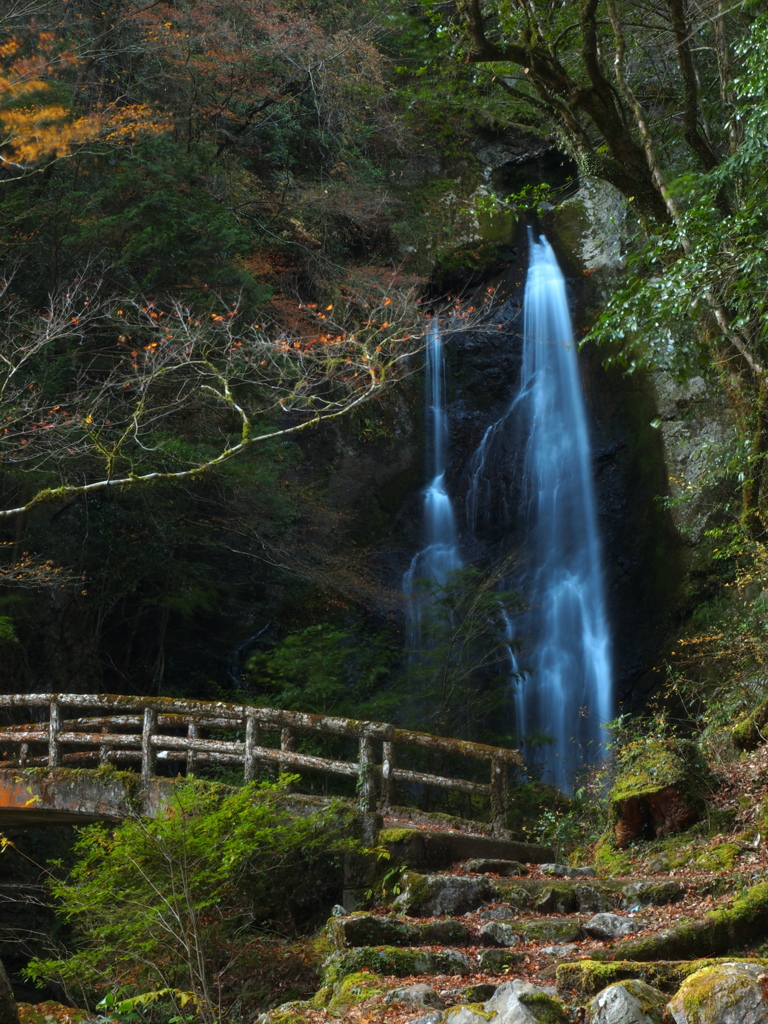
714 862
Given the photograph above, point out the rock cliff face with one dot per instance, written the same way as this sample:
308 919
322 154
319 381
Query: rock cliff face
654 443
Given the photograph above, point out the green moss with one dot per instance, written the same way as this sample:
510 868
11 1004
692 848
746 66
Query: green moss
544 1008
354 989
649 765
719 932
721 857
476 1008
611 861
554 930
416 891
390 836
402 963
588 977
290 1013
748 733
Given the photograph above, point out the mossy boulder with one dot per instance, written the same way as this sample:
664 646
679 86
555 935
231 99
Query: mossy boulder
720 931
628 1002
287 1013
354 989
433 895
652 894
446 933
524 1003
585 978
658 789
729 993
720 857
749 733
367 930
402 963
497 961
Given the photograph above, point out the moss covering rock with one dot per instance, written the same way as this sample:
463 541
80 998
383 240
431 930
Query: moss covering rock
433 895
749 733
728 993
658 788
628 1002
652 894
520 1001
367 930
585 978
496 961
719 932
402 963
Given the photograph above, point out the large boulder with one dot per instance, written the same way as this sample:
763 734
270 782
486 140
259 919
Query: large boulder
609 926
401 963
628 1002
658 789
416 995
520 1002
434 895
729 993
368 930
516 1002
652 894
497 934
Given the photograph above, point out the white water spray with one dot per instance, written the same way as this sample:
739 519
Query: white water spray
441 556
568 693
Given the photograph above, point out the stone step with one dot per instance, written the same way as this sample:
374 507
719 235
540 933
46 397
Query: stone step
585 978
369 930
439 894
434 850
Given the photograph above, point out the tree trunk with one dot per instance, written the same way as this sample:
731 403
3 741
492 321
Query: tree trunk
8 1011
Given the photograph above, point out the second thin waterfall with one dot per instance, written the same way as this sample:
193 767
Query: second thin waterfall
567 692
435 562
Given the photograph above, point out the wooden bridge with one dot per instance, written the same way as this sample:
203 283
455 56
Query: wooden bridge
59 731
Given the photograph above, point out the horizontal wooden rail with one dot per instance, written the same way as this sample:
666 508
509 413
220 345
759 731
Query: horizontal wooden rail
144 730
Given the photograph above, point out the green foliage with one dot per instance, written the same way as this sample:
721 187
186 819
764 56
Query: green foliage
328 669
168 905
577 824
7 631
461 668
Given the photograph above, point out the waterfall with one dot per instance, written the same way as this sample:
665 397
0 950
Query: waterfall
531 476
440 557
563 677
568 692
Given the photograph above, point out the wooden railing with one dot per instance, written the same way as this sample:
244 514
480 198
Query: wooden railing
145 730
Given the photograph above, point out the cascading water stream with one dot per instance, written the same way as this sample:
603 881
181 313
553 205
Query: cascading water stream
565 691
568 694
440 557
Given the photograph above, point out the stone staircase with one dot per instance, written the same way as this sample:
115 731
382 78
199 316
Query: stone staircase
485 929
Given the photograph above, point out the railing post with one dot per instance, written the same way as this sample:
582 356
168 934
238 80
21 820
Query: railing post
387 776
366 786
287 743
104 748
54 727
499 795
192 734
148 752
23 752
252 740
